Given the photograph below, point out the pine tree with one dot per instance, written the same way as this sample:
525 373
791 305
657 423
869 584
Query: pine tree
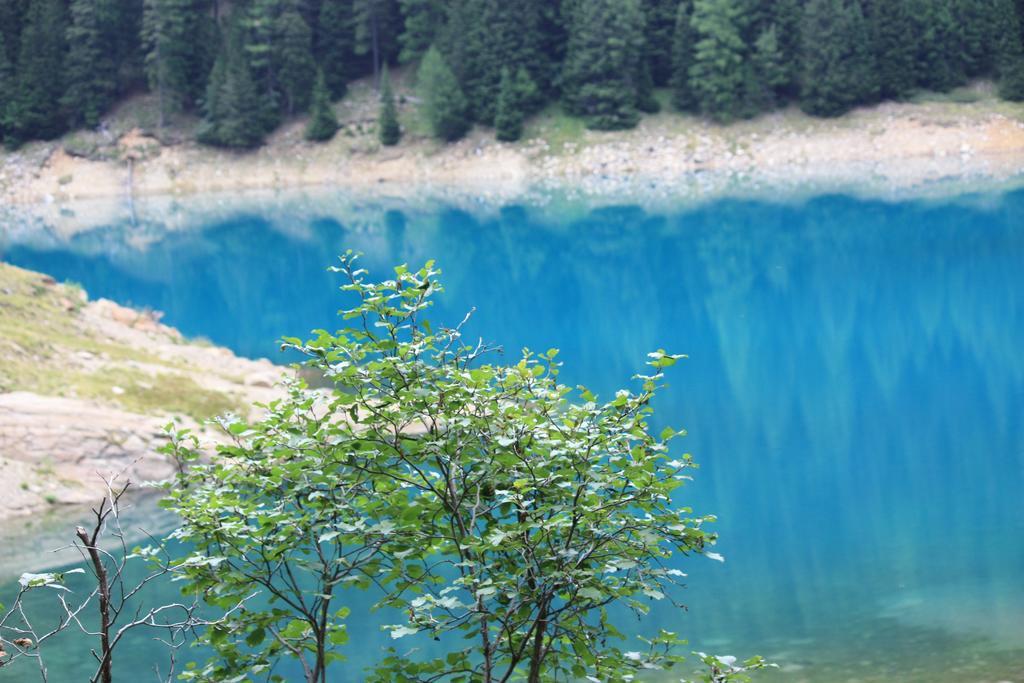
35 110
863 63
389 132
323 124
517 44
167 44
839 70
89 66
124 40
937 46
6 86
660 19
295 68
424 20
1005 25
256 25
786 17
973 36
517 97
892 28
335 45
376 31
233 115
12 21
600 77
682 58
552 38
214 110
769 71
444 105
204 40
719 75
255 41
645 99
508 122
528 93
1009 51
463 44
1011 82
481 38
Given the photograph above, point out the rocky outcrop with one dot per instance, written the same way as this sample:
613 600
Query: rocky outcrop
60 450
87 388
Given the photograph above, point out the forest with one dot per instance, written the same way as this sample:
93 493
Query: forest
244 66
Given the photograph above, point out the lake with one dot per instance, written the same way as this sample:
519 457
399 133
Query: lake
854 392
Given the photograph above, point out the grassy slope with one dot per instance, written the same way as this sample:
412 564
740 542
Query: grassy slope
48 349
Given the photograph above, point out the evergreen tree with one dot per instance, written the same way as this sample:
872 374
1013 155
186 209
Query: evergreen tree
295 67
89 66
1009 51
310 11
719 75
12 20
204 46
516 44
893 26
35 110
552 38
167 43
484 36
528 94
214 109
645 99
464 45
335 45
124 40
786 17
600 79
937 68
660 18
1011 82
256 24
323 124
233 114
6 86
769 71
67 60
838 66
517 97
389 132
424 20
377 26
973 36
508 122
255 41
444 105
682 58
1005 37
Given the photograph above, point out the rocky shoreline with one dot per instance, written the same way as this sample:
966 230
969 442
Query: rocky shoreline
886 149
87 388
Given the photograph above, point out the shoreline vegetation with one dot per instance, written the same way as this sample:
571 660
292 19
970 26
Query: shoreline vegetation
968 135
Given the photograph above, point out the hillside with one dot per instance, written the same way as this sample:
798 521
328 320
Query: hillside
86 388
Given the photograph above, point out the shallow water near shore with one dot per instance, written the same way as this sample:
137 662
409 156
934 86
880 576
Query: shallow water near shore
854 390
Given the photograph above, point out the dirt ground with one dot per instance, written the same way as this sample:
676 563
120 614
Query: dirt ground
888 147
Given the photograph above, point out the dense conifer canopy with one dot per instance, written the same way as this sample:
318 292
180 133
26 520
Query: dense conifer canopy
64 63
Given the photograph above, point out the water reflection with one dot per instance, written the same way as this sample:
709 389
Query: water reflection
854 388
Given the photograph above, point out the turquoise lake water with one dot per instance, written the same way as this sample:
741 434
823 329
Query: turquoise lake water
854 393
